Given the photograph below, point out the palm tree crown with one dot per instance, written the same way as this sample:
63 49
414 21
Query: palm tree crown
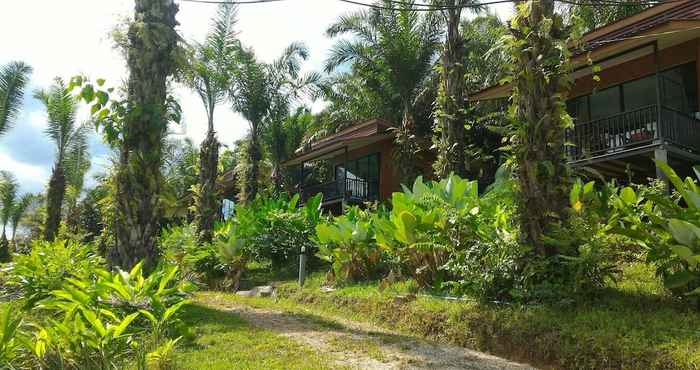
13 79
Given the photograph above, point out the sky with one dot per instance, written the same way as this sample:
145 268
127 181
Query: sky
65 38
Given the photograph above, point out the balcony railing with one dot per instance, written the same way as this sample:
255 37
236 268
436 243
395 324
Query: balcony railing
633 129
354 190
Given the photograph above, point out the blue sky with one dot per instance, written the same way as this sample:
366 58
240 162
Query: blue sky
71 37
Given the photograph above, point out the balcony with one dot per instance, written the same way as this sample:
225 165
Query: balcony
631 130
350 190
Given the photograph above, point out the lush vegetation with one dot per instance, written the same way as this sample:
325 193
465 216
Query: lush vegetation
489 251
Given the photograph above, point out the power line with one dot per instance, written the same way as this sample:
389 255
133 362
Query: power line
238 2
409 6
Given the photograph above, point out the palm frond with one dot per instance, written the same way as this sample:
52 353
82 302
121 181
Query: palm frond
20 208
13 79
61 108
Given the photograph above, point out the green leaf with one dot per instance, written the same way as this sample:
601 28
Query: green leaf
88 93
124 324
684 253
679 279
628 195
684 232
100 81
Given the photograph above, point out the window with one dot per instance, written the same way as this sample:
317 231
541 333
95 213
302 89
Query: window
605 103
679 91
362 176
639 93
679 88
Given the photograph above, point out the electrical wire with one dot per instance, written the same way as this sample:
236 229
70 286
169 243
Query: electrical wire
238 2
407 6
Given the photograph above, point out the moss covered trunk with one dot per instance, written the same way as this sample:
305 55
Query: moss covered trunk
152 43
540 87
4 246
207 198
253 172
406 151
54 202
451 101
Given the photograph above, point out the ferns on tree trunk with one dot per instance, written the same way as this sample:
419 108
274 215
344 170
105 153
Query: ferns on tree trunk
54 202
207 198
152 42
539 51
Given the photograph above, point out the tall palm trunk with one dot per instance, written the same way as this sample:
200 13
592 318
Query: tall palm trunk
152 41
54 202
540 88
452 99
4 246
207 199
406 151
253 173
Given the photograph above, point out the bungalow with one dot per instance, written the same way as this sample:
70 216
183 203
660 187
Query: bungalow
645 103
352 166
644 106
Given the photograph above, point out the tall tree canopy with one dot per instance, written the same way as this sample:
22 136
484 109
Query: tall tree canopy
264 94
13 79
598 13
393 51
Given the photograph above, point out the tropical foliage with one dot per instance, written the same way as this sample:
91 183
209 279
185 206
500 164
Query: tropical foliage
210 73
392 53
13 79
71 150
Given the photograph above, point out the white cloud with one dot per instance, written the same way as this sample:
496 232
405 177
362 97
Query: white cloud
65 38
31 177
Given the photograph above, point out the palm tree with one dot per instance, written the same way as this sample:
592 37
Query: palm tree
283 137
8 197
541 82
394 51
263 94
18 211
68 136
13 79
209 74
152 42
289 86
451 105
252 99
598 13
76 165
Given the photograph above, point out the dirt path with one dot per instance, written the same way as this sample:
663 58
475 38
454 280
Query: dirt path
363 346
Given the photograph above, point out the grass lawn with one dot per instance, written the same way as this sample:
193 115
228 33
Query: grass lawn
221 340
632 324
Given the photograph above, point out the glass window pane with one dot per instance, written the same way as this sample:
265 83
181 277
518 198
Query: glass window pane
639 93
373 174
679 88
605 103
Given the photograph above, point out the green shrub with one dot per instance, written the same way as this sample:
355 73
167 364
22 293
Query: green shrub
434 222
48 265
13 342
100 323
196 262
275 229
668 227
347 242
